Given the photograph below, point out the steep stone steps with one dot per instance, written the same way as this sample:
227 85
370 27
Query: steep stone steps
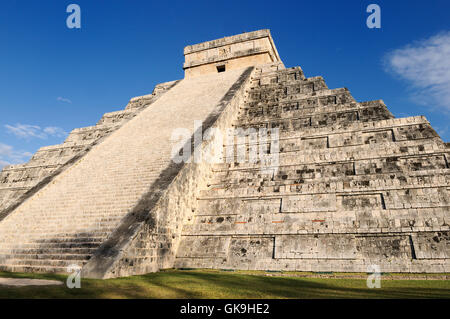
49 251
16 181
47 263
63 226
28 268
83 206
45 256
52 244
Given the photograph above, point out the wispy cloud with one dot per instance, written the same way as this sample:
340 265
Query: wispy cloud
63 99
3 164
8 155
27 131
425 65
442 131
54 131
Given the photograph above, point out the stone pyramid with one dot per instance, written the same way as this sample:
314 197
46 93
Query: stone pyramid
348 187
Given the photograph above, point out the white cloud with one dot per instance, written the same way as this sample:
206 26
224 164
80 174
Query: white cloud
3 164
63 99
425 65
55 131
442 131
8 155
25 131
34 131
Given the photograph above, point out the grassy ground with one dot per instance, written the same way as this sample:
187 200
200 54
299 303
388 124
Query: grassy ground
222 284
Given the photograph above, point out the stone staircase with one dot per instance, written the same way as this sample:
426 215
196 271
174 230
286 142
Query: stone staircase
354 187
67 220
19 182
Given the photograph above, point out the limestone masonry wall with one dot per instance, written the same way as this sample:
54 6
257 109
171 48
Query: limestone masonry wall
235 52
353 186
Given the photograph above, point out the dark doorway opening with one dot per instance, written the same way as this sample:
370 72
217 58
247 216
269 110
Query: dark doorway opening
221 68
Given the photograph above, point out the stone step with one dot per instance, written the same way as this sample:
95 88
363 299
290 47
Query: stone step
47 239
294 176
282 80
96 235
384 200
64 228
35 233
404 128
365 152
44 256
319 118
46 262
417 194
295 190
50 245
33 269
279 226
416 161
333 140
48 250
309 97
96 238
76 220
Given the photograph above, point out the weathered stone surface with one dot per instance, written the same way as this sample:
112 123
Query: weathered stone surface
353 186
230 53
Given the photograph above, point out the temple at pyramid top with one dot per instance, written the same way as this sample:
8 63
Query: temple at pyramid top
234 52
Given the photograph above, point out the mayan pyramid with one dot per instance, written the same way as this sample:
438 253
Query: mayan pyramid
351 186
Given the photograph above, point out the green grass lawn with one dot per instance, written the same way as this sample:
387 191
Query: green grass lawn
223 284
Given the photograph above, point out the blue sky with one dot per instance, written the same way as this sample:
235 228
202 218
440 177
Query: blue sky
54 79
